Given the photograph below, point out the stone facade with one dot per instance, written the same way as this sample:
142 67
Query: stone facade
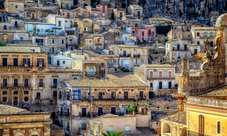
25 123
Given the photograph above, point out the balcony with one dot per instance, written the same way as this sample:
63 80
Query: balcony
41 84
15 85
179 49
16 66
40 66
124 55
136 55
37 97
60 113
160 78
54 86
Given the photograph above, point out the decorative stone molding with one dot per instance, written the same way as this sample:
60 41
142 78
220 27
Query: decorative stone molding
34 130
6 132
15 132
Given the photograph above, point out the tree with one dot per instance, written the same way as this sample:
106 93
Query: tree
108 133
2 43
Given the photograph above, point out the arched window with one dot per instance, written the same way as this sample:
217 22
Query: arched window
201 125
160 74
211 35
170 74
151 74
204 35
166 128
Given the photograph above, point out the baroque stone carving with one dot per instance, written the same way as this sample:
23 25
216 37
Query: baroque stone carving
34 130
211 73
18 131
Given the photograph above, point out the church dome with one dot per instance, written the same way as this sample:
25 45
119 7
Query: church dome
222 20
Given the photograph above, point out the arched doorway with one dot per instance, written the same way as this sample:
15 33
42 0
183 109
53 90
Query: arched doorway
151 95
184 132
33 15
166 128
15 101
53 115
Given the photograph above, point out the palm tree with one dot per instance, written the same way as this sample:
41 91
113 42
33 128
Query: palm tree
108 133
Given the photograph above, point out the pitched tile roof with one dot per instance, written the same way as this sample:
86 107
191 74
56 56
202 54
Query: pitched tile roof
15 49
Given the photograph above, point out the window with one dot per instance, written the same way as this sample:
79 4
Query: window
26 82
4 99
54 82
26 92
58 63
26 62
170 74
198 42
52 41
142 33
21 38
63 62
218 127
4 82
201 125
195 51
4 61
15 92
41 83
127 129
4 92
178 46
91 129
75 77
91 71
160 74
62 42
204 35
160 85
151 74
76 94
59 23
25 99
68 128
185 47
84 28
97 129
98 40
211 35
90 41
211 44
15 83
175 36
40 62
198 34
5 27
120 14
16 6
110 129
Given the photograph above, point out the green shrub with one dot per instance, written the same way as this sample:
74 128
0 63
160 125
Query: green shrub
126 70
2 43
